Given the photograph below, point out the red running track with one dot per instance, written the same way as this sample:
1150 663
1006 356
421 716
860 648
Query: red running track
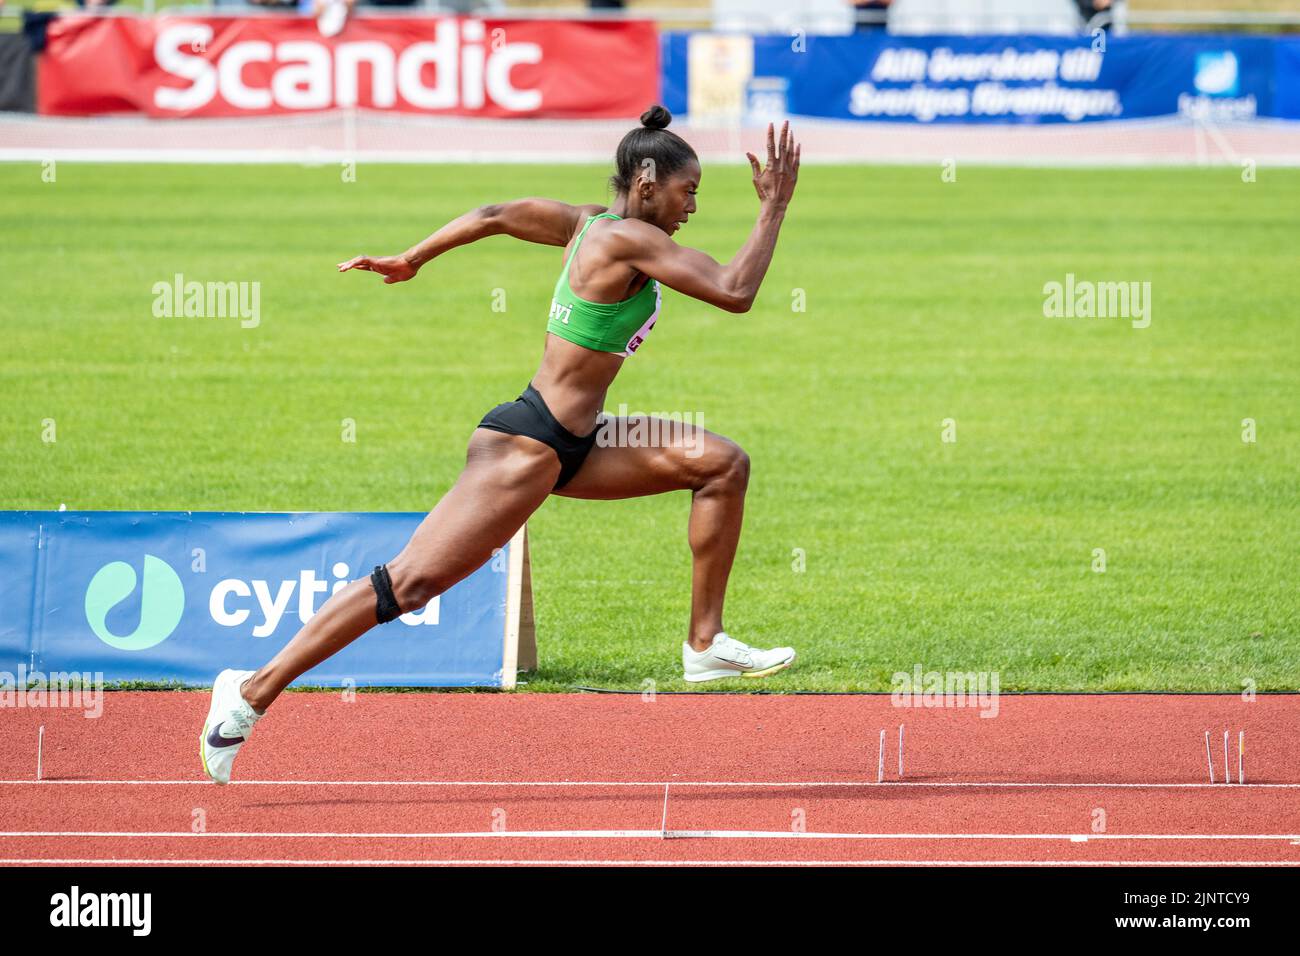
459 778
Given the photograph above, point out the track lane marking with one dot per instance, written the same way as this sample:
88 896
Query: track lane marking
1218 787
633 835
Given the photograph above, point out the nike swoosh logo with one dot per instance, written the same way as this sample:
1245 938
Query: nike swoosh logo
216 740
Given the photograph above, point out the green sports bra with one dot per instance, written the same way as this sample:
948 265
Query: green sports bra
602 326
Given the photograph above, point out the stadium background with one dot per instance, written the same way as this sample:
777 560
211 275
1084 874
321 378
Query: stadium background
902 296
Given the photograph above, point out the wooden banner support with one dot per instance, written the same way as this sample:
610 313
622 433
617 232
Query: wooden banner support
520 652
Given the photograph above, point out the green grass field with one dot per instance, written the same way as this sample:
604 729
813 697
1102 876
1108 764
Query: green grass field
924 302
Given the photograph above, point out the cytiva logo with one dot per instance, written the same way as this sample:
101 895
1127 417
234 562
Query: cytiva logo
457 69
263 603
230 604
162 602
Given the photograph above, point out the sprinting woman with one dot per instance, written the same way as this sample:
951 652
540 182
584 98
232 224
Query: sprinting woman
606 302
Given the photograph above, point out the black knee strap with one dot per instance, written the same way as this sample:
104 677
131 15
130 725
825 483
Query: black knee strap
385 603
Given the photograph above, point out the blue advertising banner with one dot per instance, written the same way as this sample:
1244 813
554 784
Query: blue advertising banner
178 596
1286 101
981 79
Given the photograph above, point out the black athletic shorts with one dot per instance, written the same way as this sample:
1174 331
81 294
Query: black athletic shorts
528 416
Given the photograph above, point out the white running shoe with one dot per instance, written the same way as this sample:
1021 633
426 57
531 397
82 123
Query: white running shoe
229 725
728 657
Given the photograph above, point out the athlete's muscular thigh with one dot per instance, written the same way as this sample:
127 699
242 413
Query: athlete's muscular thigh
687 458
506 478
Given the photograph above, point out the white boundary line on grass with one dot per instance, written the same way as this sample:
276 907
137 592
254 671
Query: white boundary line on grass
719 863
636 835
770 784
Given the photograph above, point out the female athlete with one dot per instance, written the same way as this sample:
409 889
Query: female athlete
606 302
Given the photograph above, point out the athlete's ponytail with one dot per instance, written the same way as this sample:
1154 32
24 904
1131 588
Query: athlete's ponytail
652 146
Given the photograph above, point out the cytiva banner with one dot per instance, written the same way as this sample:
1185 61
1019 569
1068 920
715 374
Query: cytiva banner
981 79
214 66
178 596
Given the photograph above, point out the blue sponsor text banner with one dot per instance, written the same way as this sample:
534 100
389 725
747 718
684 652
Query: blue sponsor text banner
178 596
985 79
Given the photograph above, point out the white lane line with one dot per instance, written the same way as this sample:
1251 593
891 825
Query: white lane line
755 784
19 861
633 835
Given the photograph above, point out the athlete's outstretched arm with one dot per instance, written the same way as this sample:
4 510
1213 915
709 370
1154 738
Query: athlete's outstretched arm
697 274
544 221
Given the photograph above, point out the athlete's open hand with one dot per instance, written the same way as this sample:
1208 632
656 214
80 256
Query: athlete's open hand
775 183
392 268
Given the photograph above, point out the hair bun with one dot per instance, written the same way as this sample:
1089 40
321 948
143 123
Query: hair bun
656 117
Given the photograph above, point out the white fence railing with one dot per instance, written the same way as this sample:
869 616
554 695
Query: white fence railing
368 136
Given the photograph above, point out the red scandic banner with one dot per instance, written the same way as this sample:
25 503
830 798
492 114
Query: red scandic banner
212 66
